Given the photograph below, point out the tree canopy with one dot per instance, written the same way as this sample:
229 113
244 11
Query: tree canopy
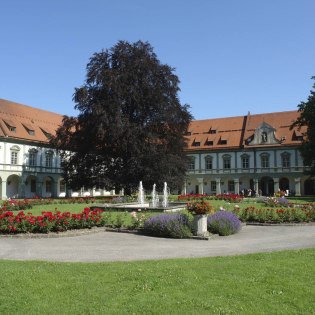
307 118
130 126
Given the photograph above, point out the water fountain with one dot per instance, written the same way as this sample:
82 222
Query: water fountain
165 196
155 197
142 204
141 196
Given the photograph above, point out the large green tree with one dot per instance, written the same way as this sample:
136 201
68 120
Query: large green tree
130 126
307 119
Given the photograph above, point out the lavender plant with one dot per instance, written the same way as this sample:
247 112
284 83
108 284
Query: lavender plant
168 225
224 223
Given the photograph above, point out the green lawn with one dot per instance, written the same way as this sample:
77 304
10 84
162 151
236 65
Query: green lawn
269 283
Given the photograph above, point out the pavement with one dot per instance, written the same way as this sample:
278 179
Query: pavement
104 246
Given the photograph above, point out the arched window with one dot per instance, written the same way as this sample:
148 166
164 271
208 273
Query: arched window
285 158
208 162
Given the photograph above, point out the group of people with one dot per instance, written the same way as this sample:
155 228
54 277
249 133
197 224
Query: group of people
250 193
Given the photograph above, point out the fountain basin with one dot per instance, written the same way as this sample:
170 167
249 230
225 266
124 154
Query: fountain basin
172 207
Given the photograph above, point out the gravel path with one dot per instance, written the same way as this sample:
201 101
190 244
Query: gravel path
112 246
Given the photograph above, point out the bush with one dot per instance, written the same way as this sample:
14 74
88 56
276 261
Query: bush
168 225
224 223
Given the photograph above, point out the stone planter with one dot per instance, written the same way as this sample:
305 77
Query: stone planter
200 225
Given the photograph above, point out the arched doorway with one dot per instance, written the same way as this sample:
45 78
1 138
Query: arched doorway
13 186
267 186
309 187
284 184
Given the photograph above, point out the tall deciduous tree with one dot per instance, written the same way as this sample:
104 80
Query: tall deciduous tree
307 118
130 126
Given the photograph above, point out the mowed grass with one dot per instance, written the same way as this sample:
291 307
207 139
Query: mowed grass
268 283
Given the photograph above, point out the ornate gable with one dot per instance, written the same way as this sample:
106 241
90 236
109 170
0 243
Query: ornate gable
263 134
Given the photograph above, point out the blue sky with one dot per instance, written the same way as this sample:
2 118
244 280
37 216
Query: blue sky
230 56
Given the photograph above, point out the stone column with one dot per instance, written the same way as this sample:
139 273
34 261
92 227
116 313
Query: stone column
21 189
54 188
39 187
184 192
297 186
236 186
4 190
218 186
256 185
276 185
200 185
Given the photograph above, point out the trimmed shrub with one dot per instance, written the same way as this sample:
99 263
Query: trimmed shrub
168 225
223 223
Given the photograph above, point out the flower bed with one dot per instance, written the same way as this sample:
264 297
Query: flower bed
227 197
276 215
49 222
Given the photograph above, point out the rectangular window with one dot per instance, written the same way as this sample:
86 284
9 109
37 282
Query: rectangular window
226 164
231 186
62 186
14 158
245 162
208 164
286 161
48 160
48 186
191 164
32 159
264 161
33 186
213 186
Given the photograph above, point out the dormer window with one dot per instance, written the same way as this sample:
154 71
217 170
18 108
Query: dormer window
196 144
30 129
212 131
46 133
223 141
10 125
209 142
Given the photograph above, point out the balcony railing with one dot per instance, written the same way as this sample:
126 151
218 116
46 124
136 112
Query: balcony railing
257 170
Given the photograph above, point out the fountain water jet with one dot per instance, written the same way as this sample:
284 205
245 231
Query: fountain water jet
141 196
165 196
155 197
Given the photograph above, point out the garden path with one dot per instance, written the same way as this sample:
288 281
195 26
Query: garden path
111 246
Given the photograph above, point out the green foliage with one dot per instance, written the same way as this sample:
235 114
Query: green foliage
131 124
276 215
168 225
268 283
307 119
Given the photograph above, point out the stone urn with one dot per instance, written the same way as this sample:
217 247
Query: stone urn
200 225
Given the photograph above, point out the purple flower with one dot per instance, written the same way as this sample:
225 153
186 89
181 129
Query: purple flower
224 223
168 225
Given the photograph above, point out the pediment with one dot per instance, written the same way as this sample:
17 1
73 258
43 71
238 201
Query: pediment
264 134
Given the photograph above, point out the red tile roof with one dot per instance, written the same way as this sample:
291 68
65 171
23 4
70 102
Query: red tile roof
235 130
25 119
